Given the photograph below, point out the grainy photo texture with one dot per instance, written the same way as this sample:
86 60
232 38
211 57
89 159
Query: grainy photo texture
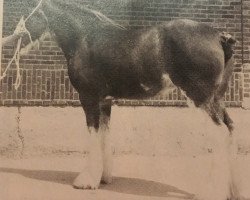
124 99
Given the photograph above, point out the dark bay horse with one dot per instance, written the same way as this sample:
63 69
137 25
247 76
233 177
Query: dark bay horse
106 59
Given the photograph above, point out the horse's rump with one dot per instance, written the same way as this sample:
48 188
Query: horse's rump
195 58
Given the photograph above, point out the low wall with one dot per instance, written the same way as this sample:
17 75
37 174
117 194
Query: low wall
46 131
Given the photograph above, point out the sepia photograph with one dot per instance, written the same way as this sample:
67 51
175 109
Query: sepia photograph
125 99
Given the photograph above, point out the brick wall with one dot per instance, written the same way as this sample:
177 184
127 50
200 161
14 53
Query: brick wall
246 30
44 75
246 52
246 68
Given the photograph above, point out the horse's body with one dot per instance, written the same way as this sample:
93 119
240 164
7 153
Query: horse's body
106 60
132 63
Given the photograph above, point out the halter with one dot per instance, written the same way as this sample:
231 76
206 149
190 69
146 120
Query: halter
16 56
21 27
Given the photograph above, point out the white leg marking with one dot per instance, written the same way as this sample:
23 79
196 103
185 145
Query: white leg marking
106 149
222 182
90 177
107 157
218 179
235 184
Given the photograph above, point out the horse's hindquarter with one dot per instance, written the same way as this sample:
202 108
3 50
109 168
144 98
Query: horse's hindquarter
194 58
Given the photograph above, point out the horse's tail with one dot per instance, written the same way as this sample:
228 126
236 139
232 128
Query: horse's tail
216 108
227 42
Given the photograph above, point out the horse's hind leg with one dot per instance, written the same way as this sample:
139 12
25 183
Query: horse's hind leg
90 176
217 111
220 107
219 114
220 92
216 106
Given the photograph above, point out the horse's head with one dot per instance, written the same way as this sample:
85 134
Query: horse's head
69 21
37 24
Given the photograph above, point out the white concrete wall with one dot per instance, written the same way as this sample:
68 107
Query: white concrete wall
44 131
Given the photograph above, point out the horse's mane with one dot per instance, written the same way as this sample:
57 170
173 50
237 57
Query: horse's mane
104 18
77 11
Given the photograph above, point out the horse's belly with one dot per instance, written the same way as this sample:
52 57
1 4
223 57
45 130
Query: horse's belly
166 86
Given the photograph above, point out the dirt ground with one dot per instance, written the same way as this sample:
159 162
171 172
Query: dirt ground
149 164
135 177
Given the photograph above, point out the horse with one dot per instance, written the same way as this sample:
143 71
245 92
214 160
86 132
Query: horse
106 59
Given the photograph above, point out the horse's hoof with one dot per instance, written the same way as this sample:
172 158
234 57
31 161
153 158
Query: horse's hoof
238 198
86 181
107 179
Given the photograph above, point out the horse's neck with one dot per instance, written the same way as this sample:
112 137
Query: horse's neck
65 28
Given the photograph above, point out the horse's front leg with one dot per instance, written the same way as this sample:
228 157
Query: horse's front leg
105 108
91 174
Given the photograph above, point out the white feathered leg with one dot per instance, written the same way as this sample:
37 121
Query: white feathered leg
222 180
107 159
234 186
106 143
90 177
